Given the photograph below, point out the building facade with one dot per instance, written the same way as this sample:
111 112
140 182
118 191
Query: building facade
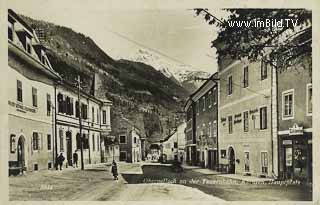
31 84
295 121
245 116
44 110
128 136
95 123
174 145
202 125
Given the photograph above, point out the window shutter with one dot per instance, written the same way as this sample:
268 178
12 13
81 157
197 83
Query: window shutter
32 144
42 141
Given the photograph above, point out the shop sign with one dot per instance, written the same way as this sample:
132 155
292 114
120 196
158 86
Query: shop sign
237 121
21 107
287 142
253 111
296 130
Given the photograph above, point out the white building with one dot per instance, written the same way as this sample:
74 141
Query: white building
31 84
174 144
95 115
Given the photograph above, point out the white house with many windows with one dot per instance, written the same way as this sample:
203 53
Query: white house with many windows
31 93
44 110
95 115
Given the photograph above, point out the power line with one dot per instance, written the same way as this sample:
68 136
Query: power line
149 48
169 57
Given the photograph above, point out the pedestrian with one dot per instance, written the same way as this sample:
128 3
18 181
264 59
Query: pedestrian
75 158
114 170
60 160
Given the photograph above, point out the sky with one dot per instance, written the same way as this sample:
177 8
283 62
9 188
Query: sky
177 32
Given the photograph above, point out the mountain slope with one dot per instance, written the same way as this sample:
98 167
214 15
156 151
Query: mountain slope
133 87
181 74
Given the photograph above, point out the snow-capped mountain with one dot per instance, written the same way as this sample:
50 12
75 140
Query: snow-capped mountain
182 74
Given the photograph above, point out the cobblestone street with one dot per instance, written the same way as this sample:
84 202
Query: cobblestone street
141 182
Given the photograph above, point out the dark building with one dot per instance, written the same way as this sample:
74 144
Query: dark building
295 121
202 125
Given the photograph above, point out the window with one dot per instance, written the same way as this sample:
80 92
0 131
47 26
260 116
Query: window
123 156
84 111
264 70
229 85
28 44
43 59
92 114
245 76
214 96
203 103
61 140
71 107
246 121
98 143
264 162
34 97
104 117
175 145
78 139
48 105
98 120
230 124
77 109
35 141
215 131
134 140
223 153
19 91
67 105
288 103
246 162
12 143
60 103
263 118
93 143
123 139
309 99
10 31
85 141
49 147
210 130
209 99
198 106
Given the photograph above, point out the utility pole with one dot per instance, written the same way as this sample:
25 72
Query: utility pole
80 122
55 127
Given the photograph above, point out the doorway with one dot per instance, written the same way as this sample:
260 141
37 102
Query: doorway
21 152
232 167
69 147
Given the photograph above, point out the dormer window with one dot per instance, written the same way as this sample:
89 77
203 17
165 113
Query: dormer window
28 44
43 57
10 30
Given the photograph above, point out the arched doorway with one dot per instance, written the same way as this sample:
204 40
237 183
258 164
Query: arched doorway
21 152
231 158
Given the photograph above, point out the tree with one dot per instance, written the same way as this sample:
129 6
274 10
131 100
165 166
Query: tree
285 45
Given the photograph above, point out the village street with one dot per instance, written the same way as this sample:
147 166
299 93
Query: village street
143 182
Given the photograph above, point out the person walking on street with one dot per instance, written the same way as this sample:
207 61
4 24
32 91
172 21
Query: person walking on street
75 158
114 170
60 160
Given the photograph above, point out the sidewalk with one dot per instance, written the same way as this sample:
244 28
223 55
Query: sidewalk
249 179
